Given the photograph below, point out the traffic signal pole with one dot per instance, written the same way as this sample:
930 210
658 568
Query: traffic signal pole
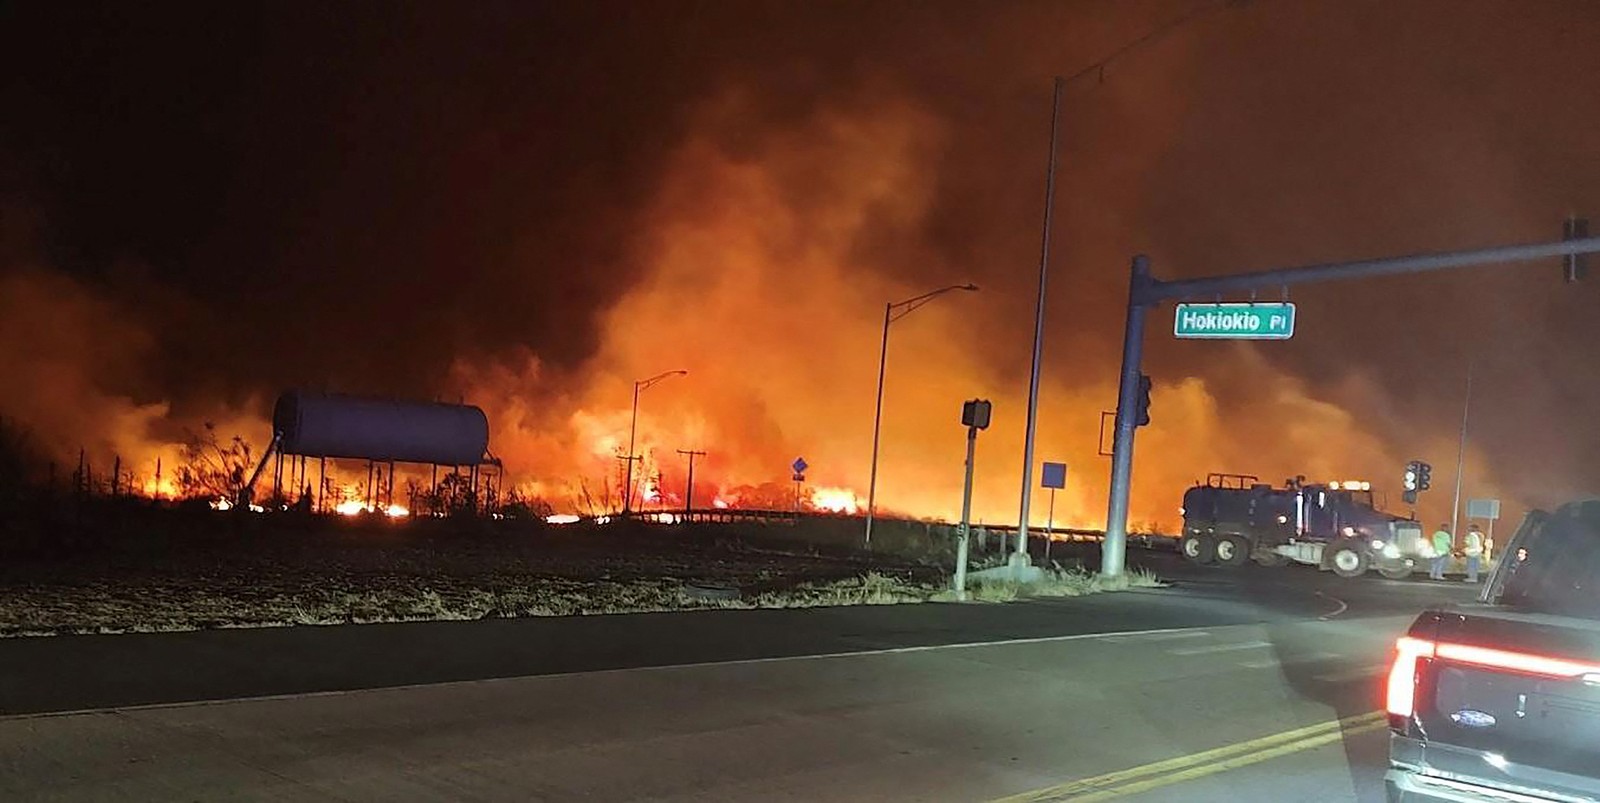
1145 292
1113 550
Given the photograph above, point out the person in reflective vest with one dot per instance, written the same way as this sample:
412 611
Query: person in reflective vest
1442 543
1473 549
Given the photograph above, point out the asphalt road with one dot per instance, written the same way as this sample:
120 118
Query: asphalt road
1230 685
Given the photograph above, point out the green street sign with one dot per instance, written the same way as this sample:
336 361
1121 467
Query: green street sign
1273 321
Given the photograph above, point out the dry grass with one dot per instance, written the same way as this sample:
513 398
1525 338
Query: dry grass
177 606
194 605
1059 582
330 585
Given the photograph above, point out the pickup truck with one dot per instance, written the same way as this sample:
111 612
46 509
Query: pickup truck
1499 699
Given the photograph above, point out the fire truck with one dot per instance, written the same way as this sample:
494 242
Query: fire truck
1232 519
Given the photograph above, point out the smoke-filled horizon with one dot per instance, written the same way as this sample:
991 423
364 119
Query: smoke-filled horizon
531 209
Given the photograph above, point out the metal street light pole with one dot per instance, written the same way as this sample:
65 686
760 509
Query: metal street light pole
892 312
1021 556
633 429
1461 455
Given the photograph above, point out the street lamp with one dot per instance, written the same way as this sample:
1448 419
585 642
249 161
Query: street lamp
892 312
1461 451
633 429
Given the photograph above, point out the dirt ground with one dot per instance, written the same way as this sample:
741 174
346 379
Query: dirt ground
175 571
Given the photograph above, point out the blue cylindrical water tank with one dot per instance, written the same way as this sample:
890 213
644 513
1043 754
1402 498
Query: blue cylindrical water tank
327 425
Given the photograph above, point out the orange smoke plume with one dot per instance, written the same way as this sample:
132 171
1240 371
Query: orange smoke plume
766 277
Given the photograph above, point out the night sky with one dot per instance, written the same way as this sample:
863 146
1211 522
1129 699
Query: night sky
206 203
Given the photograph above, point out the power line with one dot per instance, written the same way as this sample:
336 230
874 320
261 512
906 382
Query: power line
1151 36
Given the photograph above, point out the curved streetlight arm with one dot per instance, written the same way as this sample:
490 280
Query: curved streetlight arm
892 312
633 431
641 384
901 309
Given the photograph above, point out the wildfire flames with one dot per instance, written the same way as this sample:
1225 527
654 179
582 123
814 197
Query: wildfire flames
762 264
351 507
834 500
776 313
764 293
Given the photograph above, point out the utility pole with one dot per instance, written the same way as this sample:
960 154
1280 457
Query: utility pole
627 481
688 494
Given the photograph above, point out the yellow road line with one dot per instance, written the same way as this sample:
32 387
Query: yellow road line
1196 765
1246 760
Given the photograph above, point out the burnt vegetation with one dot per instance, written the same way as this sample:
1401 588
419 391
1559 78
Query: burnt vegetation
90 551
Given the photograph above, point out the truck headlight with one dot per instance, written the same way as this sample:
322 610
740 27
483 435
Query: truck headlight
1391 551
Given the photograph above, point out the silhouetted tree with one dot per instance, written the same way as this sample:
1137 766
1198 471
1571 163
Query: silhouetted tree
212 470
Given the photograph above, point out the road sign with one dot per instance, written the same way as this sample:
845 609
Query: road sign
1054 475
1483 509
798 477
800 465
1270 321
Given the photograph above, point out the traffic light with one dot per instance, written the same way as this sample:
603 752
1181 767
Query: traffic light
1575 266
1418 478
975 413
1142 403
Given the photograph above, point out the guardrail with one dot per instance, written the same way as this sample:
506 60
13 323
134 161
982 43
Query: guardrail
790 517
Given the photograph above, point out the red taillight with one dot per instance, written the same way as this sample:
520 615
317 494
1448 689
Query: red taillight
1403 675
1401 699
1515 661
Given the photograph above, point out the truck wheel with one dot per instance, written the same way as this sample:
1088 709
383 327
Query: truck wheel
1350 558
1196 547
1270 559
1396 571
1231 550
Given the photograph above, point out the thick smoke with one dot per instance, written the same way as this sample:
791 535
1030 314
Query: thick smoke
759 282
533 213
74 362
65 354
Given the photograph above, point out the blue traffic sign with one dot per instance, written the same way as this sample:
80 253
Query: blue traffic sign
1054 475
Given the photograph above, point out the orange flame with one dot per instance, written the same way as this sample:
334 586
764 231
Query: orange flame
835 500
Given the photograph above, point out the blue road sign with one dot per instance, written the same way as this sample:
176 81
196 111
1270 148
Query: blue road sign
800 465
1054 475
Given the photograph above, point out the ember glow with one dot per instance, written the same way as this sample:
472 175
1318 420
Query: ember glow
354 507
166 488
834 500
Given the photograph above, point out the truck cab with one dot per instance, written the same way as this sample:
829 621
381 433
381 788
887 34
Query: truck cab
1231 519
